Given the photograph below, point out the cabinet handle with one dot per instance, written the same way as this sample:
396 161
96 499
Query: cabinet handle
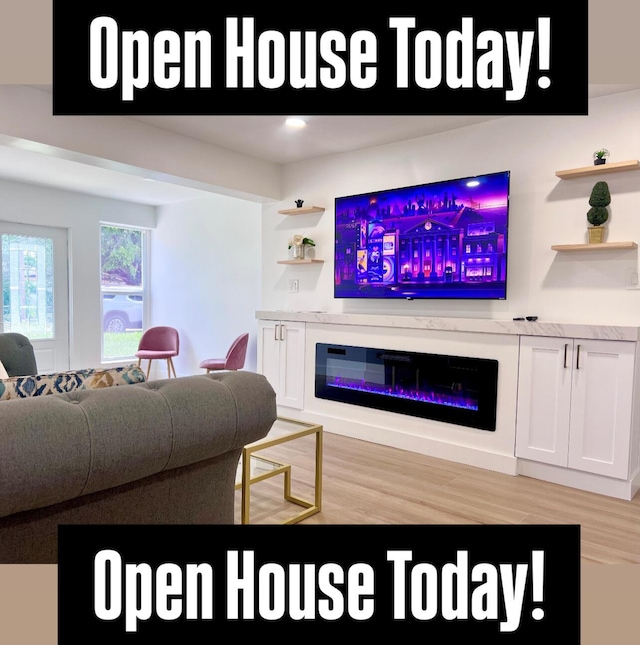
275 332
566 346
281 332
578 358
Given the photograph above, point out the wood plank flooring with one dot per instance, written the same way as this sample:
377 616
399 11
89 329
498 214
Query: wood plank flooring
366 483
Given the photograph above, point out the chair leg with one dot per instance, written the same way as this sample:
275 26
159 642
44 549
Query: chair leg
148 369
169 367
173 367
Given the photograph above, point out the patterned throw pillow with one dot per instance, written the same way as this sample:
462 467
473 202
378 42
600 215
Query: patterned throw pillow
20 387
115 376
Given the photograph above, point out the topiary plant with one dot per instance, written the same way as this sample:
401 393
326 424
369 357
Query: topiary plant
600 198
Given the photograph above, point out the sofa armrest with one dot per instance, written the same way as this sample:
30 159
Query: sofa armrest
62 446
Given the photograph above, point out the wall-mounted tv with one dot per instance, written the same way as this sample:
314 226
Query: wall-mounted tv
441 240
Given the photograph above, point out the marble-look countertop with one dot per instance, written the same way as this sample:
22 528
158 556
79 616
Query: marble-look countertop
478 325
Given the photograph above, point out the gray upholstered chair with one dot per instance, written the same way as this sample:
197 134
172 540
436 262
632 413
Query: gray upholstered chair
17 355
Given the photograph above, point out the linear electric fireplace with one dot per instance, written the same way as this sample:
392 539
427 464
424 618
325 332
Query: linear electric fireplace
454 389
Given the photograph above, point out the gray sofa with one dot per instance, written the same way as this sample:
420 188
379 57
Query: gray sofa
160 452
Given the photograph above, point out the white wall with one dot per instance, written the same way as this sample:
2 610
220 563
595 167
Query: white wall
81 215
544 210
205 277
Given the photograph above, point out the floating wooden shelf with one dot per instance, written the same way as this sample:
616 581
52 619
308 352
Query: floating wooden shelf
610 246
305 261
302 211
616 166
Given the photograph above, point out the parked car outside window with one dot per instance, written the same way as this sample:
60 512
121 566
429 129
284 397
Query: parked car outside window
121 311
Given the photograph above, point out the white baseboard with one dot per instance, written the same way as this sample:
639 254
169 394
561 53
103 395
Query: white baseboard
619 488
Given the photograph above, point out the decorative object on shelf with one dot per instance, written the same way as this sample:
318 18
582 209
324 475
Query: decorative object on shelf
600 157
298 244
598 214
299 202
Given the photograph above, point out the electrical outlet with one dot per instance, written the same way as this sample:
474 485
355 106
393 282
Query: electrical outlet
631 278
294 286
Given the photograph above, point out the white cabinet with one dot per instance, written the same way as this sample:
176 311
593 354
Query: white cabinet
281 351
575 403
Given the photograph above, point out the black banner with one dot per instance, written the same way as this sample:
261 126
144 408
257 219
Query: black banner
112 57
495 583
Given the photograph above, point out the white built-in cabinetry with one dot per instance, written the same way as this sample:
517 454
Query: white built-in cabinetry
281 350
575 403
574 418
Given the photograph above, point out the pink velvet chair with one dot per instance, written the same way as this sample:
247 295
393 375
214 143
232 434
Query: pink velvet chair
234 360
162 343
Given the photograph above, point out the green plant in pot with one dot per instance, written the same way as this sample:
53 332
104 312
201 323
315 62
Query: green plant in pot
598 214
600 156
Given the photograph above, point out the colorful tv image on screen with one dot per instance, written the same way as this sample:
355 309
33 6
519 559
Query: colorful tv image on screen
441 240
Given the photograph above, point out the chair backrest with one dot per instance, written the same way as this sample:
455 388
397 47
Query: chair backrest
237 353
17 355
164 339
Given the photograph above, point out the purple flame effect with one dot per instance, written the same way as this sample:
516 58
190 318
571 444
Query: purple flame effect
401 393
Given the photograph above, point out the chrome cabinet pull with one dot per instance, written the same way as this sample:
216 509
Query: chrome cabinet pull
566 346
281 332
275 332
578 358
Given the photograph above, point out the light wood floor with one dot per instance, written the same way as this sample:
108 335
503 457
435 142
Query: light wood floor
366 483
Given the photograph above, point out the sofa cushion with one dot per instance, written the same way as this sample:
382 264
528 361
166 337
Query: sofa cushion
20 387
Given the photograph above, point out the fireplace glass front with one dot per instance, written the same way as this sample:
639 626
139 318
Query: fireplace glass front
454 389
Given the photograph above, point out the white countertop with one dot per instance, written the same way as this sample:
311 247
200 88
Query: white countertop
478 325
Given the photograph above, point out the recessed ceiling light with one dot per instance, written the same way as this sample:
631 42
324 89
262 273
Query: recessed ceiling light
296 123
473 182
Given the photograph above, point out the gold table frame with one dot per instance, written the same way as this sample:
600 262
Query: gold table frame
276 468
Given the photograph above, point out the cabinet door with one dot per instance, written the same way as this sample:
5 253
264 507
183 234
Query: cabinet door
601 407
268 359
292 353
544 396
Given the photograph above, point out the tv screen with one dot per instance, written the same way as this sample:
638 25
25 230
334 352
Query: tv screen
446 239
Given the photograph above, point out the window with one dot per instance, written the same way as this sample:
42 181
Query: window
122 284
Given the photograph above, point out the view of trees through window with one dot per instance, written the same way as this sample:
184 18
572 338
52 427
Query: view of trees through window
121 282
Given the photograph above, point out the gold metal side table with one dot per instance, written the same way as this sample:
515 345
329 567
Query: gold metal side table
254 468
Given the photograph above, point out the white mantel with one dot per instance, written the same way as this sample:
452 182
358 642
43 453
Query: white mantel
477 325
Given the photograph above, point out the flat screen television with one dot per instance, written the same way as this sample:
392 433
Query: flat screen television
441 240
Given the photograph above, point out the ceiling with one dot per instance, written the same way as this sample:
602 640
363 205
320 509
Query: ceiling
263 137
268 138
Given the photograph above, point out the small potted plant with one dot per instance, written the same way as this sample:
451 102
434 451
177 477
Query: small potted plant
298 244
598 214
600 157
